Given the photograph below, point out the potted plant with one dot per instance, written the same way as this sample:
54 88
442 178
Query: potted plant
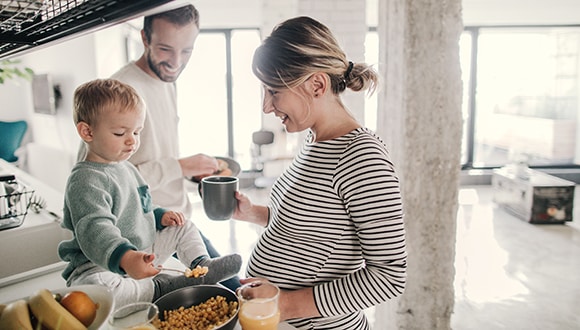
9 70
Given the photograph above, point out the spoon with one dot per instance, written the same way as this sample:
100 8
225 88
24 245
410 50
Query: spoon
197 272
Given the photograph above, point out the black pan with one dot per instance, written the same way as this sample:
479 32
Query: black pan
195 295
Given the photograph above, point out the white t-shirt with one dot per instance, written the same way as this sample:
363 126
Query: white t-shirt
157 156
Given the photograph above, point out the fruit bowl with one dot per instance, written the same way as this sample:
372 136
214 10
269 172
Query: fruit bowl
100 295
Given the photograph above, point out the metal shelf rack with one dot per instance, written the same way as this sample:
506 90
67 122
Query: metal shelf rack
27 24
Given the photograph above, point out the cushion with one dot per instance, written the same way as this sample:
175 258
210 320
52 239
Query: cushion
11 134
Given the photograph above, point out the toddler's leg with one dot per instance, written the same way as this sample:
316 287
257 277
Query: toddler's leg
232 283
220 268
185 240
191 249
124 289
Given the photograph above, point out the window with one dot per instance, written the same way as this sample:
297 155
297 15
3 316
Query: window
371 58
218 96
465 59
522 95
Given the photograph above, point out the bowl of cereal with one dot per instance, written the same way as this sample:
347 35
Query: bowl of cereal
187 308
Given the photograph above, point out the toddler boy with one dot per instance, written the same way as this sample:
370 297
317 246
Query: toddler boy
119 236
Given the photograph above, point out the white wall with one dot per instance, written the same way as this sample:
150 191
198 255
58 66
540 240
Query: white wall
227 13
69 64
101 53
520 12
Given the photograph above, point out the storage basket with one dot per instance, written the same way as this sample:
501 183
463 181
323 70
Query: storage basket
15 200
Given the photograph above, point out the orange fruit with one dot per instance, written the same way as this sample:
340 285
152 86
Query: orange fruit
81 306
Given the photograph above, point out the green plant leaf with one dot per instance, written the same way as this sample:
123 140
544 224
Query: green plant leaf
9 70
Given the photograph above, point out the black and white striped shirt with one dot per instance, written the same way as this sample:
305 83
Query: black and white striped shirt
336 225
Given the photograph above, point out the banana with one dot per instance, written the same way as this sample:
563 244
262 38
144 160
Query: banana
51 313
16 316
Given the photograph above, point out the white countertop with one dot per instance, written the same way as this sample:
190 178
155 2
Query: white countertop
35 240
54 198
31 249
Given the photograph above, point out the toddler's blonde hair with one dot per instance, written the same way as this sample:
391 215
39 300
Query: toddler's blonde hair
92 98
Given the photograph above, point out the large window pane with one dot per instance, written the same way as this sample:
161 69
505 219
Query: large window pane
203 96
202 99
372 58
527 96
465 59
247 94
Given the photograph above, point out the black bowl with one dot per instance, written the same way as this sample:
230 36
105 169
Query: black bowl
195 295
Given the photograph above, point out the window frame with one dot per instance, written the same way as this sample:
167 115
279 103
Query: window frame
474 31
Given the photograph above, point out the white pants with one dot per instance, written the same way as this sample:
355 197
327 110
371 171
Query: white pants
185 240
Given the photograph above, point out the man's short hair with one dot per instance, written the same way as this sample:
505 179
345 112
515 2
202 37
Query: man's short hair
180 16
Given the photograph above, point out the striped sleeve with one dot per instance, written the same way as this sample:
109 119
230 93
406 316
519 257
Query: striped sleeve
366 182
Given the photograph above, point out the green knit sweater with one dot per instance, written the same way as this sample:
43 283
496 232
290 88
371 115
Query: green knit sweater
108 208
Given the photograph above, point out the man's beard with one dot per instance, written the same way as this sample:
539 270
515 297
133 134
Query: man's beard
156 68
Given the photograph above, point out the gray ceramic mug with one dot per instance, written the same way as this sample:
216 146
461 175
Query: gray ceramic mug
218 195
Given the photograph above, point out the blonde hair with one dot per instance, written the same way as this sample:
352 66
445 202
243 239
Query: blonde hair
96 96
301 46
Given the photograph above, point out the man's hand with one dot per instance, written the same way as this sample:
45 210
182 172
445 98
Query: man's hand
172 218
199 165
138 264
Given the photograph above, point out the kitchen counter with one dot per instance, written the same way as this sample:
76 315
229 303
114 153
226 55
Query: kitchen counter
30 250
53 281
36 239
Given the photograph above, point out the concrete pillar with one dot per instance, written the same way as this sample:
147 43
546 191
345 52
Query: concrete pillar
420 119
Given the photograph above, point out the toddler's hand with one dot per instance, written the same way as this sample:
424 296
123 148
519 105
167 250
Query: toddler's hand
172 218
138 264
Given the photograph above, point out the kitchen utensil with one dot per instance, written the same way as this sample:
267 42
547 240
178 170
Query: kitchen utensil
218 196
135 316
184 272
195 295
14 202
37 203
